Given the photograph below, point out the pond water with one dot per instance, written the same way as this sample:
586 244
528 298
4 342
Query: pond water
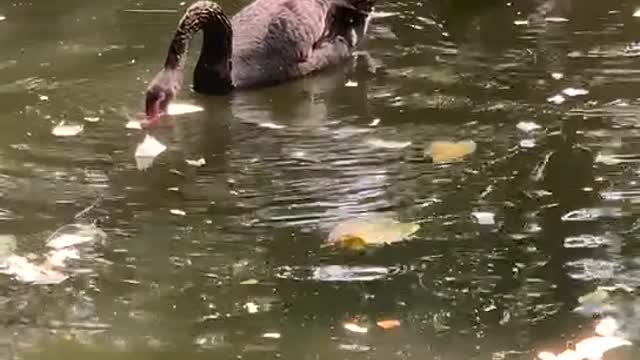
225 260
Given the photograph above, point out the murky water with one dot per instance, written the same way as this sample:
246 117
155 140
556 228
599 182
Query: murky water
224 260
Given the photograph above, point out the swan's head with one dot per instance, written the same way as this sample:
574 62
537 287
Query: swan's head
161 91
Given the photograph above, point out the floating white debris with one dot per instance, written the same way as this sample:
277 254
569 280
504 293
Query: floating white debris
177 212
179 109
528 126
527 143
557 99
273 335
63 129
251 307
636 13
585 242
545 355
610 159
354 348
484 217
590 214
198 163
557 75
607 327
339 273
75 234
521 22
382 14
43 98
91 119
58 258
2 18
595 347
556 19
270 125
388 144
351 83
25 271
592 348
134 124
355 328
147 152
374 122
575 92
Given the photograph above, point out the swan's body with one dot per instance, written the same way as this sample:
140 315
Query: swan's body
267 42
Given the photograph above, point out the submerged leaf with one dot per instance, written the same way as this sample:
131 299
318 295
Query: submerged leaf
358 233
447 151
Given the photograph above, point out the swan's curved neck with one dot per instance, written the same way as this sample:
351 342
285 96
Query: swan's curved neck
216 47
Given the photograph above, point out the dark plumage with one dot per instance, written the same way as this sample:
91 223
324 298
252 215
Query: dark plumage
267 42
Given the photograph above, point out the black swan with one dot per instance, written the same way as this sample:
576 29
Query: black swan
267 42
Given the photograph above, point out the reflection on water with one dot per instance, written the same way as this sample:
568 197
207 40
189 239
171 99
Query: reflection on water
215 249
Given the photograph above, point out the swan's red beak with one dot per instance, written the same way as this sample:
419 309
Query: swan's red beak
154 104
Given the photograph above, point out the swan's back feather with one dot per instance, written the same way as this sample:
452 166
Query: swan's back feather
271 37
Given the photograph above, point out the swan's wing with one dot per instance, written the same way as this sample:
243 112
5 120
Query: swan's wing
295 28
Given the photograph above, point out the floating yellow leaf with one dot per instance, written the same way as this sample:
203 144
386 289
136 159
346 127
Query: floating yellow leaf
358 233
447 151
